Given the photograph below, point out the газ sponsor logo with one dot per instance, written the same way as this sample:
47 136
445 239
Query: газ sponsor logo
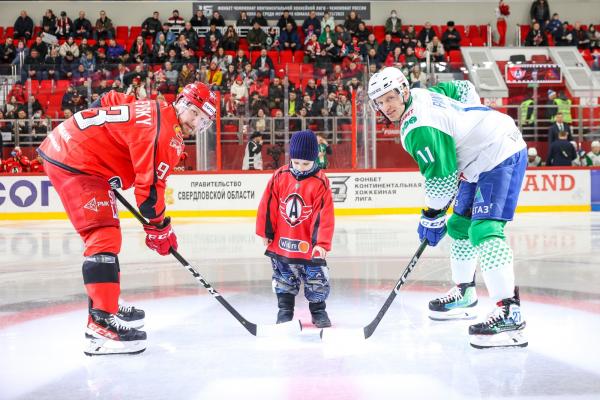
293 245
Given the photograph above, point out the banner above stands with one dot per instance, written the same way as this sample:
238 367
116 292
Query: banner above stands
272 11
354 193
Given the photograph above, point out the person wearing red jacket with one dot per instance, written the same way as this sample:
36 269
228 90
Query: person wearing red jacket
17 162
295 219
124 143
37 165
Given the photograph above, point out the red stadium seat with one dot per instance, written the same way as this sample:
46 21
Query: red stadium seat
35 84
274 55
135 32
10 31
293 72
122 32
62 85
483 31
230 128
43 98
587 55
46 84
307 71
524 31
286 56
454 56
477 41
254 55
379 32
539 59
473 32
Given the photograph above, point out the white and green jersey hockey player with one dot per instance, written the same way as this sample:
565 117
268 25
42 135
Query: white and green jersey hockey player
454 138
591 158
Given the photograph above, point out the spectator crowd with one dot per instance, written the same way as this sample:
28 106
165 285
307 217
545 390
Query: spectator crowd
307 70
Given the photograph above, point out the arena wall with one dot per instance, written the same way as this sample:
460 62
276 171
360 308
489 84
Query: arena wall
236 194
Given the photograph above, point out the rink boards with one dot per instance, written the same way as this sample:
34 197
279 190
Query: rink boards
29 196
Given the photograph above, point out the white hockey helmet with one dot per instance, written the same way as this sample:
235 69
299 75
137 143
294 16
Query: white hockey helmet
388 79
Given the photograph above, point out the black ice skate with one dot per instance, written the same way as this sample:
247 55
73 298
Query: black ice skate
286 303
458 303
130 316
319 316
503 327
106 335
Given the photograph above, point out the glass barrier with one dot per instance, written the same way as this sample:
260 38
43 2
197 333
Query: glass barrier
265 101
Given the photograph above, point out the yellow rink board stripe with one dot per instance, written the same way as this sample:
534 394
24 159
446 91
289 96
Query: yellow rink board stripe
252 213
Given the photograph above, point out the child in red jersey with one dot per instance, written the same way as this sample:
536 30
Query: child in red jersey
295 220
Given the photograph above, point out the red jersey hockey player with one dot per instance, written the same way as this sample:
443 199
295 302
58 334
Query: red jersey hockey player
295 220
17 162
124 143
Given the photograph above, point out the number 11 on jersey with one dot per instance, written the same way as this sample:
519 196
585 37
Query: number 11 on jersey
427 157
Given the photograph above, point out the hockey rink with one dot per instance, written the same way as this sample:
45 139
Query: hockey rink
197 350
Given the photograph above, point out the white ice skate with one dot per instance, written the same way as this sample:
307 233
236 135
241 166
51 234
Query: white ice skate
106 335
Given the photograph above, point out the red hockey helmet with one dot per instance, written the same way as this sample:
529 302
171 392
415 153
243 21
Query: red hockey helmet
197 95
200 95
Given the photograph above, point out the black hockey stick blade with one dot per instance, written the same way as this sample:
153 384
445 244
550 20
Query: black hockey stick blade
370 329
256 330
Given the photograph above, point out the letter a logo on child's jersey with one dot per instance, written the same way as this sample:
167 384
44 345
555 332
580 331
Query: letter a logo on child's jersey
478 196
294 210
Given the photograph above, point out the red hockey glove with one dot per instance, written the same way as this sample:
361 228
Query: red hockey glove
161 238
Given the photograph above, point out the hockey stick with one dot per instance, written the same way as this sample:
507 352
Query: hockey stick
254 329
368 330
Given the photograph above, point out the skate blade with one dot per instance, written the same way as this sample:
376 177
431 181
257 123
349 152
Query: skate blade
282 329
461 314
102 347
504 339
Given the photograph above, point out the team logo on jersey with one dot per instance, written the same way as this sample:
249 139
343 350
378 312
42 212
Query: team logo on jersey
177 141
115 182
293 245
92 205
339 189
294 210
478 196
